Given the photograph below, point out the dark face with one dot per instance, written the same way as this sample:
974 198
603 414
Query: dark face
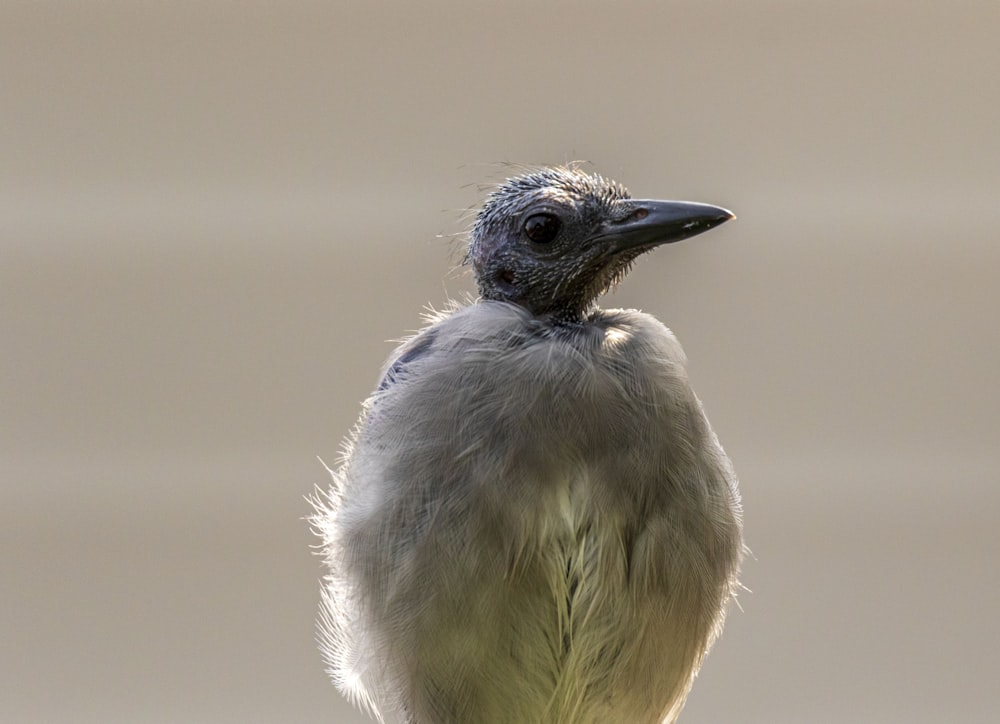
553 241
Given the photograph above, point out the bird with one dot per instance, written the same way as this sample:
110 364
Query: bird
533 520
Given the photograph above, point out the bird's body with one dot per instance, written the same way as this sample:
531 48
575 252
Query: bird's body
535 523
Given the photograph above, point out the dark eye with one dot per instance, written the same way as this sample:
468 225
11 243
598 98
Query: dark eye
542 228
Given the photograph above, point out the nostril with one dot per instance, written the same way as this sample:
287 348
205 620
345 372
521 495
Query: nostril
639 214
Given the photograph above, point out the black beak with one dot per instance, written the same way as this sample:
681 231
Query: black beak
651 223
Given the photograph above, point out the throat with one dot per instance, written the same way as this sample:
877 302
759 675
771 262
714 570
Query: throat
567 313
569 316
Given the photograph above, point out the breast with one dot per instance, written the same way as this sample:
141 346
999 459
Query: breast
560 514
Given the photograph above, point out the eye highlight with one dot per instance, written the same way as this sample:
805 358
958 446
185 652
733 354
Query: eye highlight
542 228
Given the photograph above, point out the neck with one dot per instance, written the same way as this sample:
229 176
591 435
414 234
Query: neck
572 310
570 315
564 314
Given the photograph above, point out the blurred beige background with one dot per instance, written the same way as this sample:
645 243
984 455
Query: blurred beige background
214 215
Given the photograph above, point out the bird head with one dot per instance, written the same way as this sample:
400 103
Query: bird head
554 240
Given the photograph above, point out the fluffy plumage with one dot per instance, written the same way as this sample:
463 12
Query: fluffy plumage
533 520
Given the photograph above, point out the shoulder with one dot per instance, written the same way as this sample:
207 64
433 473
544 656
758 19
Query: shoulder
482 320
506 339
630 332
483 326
